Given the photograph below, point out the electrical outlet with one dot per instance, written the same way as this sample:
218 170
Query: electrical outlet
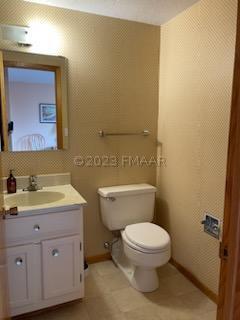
212 226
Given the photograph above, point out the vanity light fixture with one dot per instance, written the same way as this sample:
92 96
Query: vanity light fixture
17 34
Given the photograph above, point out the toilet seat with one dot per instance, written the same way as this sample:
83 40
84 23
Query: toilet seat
146 237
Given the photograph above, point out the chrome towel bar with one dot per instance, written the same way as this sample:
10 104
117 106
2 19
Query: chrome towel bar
103 134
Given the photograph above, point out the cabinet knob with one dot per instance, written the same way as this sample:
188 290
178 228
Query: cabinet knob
19 261
55 253
36 227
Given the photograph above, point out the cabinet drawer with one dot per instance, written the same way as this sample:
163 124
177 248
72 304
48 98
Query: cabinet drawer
31 229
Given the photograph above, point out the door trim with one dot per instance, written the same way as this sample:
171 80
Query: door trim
229 287
3 113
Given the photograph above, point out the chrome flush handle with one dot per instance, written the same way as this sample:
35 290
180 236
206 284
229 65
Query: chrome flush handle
111 199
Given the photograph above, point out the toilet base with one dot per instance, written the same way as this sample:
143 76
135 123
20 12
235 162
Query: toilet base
145 280
142 279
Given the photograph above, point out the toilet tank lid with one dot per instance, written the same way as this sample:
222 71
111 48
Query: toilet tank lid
124 190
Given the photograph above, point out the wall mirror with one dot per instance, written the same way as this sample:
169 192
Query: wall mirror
33 102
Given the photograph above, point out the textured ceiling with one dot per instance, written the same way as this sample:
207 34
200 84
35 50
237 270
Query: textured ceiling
154 12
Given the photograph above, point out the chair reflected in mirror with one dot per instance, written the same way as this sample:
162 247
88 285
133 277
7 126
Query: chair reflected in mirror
32 142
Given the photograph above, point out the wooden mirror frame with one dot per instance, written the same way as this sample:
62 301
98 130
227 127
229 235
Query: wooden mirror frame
58 65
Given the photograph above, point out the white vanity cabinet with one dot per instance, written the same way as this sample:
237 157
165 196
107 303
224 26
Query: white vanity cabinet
44 259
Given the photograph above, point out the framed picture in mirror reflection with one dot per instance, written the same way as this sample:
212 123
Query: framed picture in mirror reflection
47 113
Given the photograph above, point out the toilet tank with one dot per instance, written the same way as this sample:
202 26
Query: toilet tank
126 204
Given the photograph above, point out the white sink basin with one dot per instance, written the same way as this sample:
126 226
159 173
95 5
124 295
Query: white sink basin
48 199
34 198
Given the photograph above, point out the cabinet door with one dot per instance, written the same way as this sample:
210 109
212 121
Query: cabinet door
20 275
61 266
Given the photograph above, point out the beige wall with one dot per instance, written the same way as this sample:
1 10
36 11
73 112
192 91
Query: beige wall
196 68
113 84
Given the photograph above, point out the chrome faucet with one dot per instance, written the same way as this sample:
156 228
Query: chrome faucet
33 186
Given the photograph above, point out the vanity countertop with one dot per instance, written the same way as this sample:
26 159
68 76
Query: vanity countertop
48 199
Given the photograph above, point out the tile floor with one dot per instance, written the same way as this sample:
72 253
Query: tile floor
110 297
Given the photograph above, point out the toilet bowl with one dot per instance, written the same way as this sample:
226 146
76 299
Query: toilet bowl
147 246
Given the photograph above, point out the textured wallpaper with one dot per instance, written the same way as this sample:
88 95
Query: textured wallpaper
112 85
196 70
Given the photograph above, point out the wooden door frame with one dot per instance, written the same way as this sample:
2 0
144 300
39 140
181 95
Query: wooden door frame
3 112
229 288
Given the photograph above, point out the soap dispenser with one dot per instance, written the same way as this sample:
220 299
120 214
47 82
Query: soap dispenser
11 183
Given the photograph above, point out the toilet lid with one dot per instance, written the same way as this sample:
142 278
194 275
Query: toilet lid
147 236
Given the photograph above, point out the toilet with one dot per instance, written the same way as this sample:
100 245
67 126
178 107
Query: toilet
142 246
